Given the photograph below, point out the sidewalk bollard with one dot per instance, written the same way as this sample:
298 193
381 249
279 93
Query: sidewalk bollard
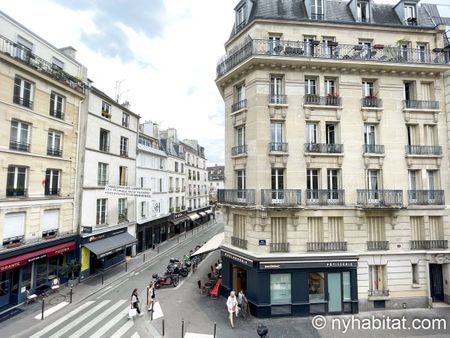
163 327
71 292
143 259
185 233
126 266
103 273
147 296
42 315
178 238
157 249
182 328
215 328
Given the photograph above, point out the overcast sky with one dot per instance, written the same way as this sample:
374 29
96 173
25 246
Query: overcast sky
165 51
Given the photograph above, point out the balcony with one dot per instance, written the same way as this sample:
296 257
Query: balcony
377 245
54 152
235 196
104 148
171 209
22 101
277 99
239 150
326 246
421 104
240 243
281 198
278 147
378 293
25 56
429 244
239 105
316 100
102 183
304 50
423 150
123 153
373 149
324 148
171 189
123 217
325 197
426 197
57 113
279 247
371 102
51 191
16 192
177 189
379 198
19 146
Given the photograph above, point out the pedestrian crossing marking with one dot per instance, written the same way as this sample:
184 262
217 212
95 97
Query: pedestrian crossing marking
97 319
72 324
108 326
136 335
197 335
120 332
51 326
51 310
157 311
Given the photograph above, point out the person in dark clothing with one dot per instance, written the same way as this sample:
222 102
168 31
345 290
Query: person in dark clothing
135 301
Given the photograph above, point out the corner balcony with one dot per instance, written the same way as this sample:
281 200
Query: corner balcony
326 246
325 197
324 53
429 244
239 106
316 100
376 149
426 197
423 150
324 148
379 198
244 197
239 242
377 245
239 150
420 105
371 102
278 147
279 247
281 198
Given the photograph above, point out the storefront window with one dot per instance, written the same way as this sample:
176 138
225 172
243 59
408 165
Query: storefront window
316 287
52 267
280 288
41 274
346 284
26 276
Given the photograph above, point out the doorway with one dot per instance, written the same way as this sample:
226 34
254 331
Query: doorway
334 292
4 288
436 283
239 279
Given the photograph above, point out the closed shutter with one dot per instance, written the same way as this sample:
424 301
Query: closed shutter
14 225
336 229
436 228
315 229
417 228
278 229
376 229
50 220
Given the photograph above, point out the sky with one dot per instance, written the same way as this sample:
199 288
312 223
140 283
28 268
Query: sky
163 52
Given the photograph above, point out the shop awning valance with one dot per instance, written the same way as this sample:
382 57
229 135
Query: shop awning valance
202 214
194 217
107 246
180 220
212 245
209 211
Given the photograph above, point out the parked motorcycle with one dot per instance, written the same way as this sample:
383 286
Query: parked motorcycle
168 279
176 267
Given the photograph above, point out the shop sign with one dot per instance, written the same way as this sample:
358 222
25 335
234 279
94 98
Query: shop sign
262 242
178 215
123 190
238 259
103 235
86 230
37 258
11 266
293 265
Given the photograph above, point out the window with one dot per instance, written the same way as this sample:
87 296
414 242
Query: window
310 86
176 167
280 288
427 91
54 143
415 273
311 133
57 105
312 184
23 92
278 227
106 110
370 136
368 89
125 120
240 93
316 287
277 185
330 129
436 228
330 87
16 181
336 229
14 227
275 44
317 10
240 137
276 136
363 12
328 47
377 279
414 183
50 222
333 183
430 133
309 42
410 14
123 175
412 132
182 168
104 140
409 91
143 209
422 51
52 181
239 230
57 64
433 180
376 229
373 179
20 136
417 228
315 229
240 16
123 210
276 90
101 217
102 177
24 49
241 183
123 146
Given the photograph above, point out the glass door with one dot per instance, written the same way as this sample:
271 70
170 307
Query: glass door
4 288
334 292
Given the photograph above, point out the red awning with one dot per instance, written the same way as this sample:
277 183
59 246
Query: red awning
14 262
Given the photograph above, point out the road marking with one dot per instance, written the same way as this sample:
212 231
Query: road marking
110 288
128 325
105 291
72 324
98 319
106 327
157 311
136 335
197 335
52 310
61 320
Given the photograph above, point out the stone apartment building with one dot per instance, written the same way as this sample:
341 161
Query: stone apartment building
42 97
216 180
336 150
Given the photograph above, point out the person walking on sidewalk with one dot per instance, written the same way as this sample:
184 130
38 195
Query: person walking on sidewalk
151 296
232 307
135 301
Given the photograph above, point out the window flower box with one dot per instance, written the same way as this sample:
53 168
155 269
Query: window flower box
378 46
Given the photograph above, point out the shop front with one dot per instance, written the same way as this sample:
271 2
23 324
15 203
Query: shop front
149 233
193 220
299 287
203 217
210 214
178 222
33 268
104 250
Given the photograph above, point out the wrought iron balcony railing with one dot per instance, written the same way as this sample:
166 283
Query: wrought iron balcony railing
324 148
322 100
351 53
123 153
281 197
239 105
326 246
102 183
23 101
325 197
239 27
377 245
426 197
20 146
373 149
104 147
54 152
423 150
378 293
239 242
278 146
16 192
239 150
24 55
51 191
278 99
279 247
429 244
317 16
420 104
379 198
56 113
236 196
369 102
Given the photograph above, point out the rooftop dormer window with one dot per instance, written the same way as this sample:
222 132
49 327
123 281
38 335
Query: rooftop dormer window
410 14
240 18
317 10
363 12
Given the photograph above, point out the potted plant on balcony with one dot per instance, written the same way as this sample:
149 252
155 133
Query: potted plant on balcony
332 99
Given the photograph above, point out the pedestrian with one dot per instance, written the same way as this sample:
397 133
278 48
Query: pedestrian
243 303
151 296
135 301
232 307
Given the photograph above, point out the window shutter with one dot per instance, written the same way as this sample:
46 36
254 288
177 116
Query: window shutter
50 220
14 225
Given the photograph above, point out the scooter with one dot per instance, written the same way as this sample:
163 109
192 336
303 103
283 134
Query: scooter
176 267
168 279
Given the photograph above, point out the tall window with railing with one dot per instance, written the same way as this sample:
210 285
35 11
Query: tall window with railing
20 136
23 92
102 174
57 103
122 210
363 11
317 12
16 182
52 181
377 280
277 89
54 143
101 211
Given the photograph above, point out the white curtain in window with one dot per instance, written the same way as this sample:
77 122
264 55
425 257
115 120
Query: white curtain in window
315 229
14 225
376 229
50 220
417 228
